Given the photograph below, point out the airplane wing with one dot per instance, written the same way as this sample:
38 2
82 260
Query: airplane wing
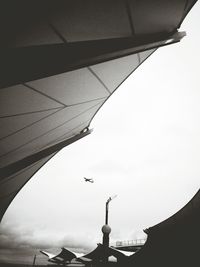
55 78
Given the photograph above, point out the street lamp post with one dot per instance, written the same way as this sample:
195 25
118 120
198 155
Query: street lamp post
107 205
106 229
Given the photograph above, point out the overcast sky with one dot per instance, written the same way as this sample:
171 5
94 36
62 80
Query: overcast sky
145 148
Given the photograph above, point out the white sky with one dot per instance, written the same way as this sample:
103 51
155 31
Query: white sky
145 148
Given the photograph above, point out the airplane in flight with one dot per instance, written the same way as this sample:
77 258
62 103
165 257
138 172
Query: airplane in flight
89 180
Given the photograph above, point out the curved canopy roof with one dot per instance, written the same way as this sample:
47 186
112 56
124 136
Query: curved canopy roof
60 61
175 240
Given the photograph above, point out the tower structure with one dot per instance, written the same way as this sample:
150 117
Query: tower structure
106 229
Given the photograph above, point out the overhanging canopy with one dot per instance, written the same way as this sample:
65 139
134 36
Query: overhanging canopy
173 242
60 61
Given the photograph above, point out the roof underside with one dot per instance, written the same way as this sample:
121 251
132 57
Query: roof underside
60 61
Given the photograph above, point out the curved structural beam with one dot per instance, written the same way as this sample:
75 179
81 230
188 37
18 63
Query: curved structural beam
60 62
35 157
37 62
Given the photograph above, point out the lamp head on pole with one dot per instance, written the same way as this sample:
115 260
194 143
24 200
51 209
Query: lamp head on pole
111 198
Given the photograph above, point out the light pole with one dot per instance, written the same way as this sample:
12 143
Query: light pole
34 260
106 228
